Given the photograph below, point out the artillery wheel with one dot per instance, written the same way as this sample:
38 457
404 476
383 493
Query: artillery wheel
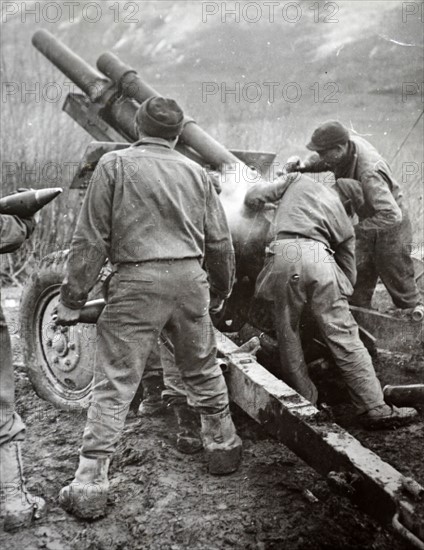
60 360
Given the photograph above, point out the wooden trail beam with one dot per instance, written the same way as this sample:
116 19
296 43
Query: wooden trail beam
357 472
392 333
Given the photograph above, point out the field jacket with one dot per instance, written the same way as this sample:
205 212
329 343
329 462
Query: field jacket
148 203
382 193
308 209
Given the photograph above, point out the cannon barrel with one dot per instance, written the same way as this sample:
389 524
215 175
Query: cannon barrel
119 111
81 73
119 114
133 87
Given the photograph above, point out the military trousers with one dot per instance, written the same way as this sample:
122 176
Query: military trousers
302 273
386 253
11 425
143 300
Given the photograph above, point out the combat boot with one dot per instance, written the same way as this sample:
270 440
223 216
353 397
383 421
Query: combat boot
86 496
387 416
189 440
18 507
152 403
221 442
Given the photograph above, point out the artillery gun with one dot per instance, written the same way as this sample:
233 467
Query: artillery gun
60 360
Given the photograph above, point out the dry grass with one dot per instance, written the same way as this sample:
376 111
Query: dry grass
33 158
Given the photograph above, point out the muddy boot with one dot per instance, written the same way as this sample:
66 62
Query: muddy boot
188 438
152 403
386 416
221 442
18 507
86 496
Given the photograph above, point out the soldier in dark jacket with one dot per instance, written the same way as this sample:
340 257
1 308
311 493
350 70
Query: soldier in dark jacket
311 262
18 506
156 215
383 234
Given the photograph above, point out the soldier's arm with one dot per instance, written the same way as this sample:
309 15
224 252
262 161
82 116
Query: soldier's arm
219 251
314 164
261 193
351 195
13 232
91 240
311 164
345 258
378 197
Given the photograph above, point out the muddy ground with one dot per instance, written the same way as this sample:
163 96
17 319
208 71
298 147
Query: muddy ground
162 500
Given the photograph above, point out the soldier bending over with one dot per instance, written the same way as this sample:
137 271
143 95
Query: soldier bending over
311 261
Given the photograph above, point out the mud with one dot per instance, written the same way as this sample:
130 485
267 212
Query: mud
163 500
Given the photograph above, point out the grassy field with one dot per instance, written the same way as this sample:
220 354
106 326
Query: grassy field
351 66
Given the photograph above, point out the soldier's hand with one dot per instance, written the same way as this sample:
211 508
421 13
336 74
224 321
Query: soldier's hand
270 206
293 164
216 304
65 316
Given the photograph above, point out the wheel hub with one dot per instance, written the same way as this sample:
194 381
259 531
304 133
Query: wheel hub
69 351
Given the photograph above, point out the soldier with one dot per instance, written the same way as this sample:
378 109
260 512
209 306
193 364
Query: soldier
311 262
383 234
18 507
156 216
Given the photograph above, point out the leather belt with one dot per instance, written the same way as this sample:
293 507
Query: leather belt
284 235
157 261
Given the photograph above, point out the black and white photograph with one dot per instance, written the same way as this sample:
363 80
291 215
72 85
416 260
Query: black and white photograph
212 275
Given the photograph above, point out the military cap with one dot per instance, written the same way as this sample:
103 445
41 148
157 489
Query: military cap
328 135
160 117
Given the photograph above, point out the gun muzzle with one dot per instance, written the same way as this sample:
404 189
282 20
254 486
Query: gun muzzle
404 396
27 203
81 73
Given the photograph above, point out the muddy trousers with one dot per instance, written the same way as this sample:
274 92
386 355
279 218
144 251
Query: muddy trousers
386 254
303 272
11 425
144 300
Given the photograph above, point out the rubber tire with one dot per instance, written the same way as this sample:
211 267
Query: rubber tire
47 278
